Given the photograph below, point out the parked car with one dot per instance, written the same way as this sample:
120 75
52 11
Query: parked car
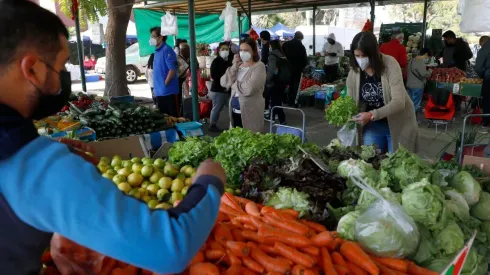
135 64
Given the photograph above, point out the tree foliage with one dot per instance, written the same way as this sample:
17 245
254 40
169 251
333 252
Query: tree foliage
89 10
289 19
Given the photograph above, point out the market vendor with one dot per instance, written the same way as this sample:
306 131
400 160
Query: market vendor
332 50
482 68
46 188
375 82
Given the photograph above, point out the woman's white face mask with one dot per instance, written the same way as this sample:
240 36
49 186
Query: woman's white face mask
363 62
245 56
224 54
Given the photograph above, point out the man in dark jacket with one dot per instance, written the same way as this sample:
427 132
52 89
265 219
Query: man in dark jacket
482 68
296 54
456 53
265 38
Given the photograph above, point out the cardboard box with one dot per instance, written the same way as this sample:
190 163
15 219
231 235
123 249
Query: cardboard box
481 163
126 148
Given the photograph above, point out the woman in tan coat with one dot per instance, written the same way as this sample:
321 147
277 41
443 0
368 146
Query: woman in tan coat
246 78
376 84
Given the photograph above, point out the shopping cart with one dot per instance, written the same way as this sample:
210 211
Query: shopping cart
475 149
282 129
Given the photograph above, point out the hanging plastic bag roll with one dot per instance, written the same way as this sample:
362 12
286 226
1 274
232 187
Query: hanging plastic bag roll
385 229
169 25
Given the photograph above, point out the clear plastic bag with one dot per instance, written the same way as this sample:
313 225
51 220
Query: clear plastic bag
385 229
347 134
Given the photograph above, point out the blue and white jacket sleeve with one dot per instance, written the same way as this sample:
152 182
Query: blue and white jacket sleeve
54 190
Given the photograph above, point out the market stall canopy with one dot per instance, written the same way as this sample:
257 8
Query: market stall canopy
209 29
279 29
260 6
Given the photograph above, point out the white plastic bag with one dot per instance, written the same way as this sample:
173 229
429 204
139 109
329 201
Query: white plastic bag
347 134
474 17
385 229
230 18
169 25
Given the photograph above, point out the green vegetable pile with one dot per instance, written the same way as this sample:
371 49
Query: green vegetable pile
287 198
192 152
446 202
341 110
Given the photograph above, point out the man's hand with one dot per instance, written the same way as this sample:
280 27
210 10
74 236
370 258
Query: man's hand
211 168
82 149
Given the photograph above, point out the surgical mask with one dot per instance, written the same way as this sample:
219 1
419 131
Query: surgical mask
245 56
153 41
49 104
363 62
224 54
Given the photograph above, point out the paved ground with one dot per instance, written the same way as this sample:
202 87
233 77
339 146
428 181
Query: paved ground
317 129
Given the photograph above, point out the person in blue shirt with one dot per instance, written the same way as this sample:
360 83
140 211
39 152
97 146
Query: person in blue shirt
165 79
47 187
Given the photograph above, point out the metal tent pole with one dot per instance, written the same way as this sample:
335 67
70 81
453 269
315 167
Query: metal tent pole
80 52
314 30
424 24
249 14
373 6
194 67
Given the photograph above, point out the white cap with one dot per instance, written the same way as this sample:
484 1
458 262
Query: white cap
331 36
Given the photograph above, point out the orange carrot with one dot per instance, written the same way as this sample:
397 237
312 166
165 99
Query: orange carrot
241 200
248 271
355 270
292 212
253 265
414 269
199 258
269 263
234 270
131 270
326 261
222 217
250 220
293 226
272 234
250 227
385 270
214 255
268 249
273 273
322 239
238 248
338 259
353 253
341 270
228 210
301 270
108 265
222 234
294 255
204 269
252 209
234 260
274 212
237 235
236 223
310 250
250 235
395 264
118 271
335 245
214 245
231 201
315 226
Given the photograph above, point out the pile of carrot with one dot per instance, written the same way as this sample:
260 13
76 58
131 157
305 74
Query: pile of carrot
249 238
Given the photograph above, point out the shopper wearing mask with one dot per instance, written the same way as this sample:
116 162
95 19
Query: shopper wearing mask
332 50
274 86
375 82
90 210
246 78
182 70
417 76
218 94
165 78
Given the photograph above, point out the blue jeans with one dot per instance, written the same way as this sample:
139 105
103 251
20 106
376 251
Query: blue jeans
378 133
416 95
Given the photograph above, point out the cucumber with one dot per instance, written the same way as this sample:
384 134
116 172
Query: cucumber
84 120
99 117
115 120
117 113
140 109
90 112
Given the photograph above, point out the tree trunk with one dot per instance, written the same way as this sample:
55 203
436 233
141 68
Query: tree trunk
119 12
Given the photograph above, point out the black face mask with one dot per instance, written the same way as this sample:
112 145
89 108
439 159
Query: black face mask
331 41
447 44
51 104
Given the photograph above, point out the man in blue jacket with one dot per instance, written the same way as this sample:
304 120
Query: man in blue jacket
165 78
45 187
482 68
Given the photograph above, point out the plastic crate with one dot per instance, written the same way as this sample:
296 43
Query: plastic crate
120 99
467 89
190 129
306 100
84 133
92 78
153 141
321 95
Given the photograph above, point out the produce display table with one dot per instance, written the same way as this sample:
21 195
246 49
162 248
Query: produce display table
462 89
